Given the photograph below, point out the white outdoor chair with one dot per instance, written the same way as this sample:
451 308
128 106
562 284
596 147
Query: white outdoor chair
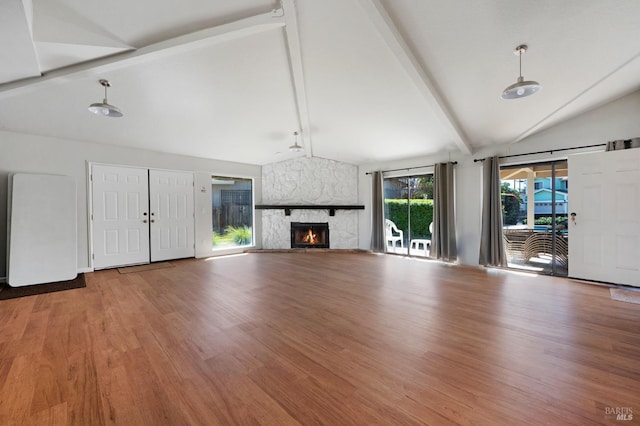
393 236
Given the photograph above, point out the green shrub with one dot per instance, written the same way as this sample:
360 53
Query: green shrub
215 238
241 235
546 220
421 215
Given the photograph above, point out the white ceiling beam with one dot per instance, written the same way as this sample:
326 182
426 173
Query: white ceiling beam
297 72
210 36
18 55
390 34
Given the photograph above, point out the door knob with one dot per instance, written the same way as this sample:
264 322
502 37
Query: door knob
152 221
144 221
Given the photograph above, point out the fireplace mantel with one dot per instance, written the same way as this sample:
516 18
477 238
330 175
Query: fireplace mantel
288 207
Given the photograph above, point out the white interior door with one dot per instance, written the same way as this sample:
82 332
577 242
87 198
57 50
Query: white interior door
120 216
172 215
605 231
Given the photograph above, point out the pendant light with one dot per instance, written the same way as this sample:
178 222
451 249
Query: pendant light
104 108
295 147
521 88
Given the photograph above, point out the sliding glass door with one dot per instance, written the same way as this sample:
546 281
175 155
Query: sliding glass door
408 208
232 209
534 205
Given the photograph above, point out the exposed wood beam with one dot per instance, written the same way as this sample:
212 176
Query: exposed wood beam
220 34
412 67
297 73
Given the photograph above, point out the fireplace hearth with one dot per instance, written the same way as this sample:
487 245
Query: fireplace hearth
309 235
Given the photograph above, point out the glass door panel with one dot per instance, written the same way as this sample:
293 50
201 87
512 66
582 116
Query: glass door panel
420 215
396 195
232 209
534 206
408 202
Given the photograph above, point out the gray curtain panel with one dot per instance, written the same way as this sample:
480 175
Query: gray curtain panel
443 240
623 144
492 252
377 213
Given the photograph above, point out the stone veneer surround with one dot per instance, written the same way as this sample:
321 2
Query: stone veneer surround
309 181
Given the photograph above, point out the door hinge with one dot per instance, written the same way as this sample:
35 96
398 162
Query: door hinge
93 256
91 178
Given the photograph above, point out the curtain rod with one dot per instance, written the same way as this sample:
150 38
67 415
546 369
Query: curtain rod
408 168
551 151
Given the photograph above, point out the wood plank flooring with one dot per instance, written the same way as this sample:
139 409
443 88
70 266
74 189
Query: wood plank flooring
319 338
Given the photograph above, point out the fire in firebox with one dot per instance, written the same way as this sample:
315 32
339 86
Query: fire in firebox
309 235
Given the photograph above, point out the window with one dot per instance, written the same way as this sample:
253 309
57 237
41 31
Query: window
537 185
232 210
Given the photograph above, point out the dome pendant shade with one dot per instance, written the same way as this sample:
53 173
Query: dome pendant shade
295 147
521 88
104 108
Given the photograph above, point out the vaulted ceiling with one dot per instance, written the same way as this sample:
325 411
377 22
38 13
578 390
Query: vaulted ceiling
362 80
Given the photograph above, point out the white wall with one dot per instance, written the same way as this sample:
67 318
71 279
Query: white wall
617 120
37 154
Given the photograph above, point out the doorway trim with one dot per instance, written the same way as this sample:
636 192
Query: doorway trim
89 187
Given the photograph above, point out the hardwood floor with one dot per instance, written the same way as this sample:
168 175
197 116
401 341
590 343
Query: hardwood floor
319 338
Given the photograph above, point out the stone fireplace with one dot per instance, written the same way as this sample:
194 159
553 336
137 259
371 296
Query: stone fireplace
309 235
309 181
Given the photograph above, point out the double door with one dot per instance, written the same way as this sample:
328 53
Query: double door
141 215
